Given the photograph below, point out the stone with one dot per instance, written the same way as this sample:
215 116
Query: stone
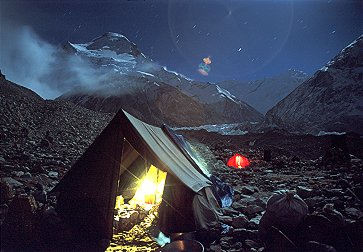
256 220
248 190
316 246
38 169
239 221
353 212
44 143
226 219
215 248
312 202
304 192
53 175
247 200
242 233
23 207
18 173
333 192
238 206
358 192
252 209
226 239
6 192
12 181
40 196
237 246
26 175
8 167
252 244
252 226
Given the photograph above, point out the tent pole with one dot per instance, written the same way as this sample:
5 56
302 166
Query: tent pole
157 183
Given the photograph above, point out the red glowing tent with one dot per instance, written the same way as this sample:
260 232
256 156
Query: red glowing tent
238 161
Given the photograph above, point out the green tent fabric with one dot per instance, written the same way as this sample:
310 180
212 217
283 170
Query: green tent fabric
97 177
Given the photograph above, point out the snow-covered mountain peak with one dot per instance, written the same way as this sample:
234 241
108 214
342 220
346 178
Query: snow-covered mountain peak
112 52
225 93
114 42
294 74
350 56
113 36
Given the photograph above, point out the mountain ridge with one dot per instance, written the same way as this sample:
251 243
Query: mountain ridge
265 93
130 76
331 100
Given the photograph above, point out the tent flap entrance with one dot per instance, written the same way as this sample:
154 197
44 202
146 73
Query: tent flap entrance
140 182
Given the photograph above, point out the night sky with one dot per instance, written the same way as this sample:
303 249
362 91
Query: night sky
245 39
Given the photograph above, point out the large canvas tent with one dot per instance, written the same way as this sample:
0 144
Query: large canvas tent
110 166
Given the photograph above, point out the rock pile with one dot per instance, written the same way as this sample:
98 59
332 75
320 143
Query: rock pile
338 185
139 237
39 140
127 217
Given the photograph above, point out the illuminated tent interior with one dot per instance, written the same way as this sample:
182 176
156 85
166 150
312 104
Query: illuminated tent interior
238 161
141 182
135 163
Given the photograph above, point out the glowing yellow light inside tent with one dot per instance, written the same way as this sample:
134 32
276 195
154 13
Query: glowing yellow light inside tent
151 188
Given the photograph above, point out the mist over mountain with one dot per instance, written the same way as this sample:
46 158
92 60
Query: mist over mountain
29 60
331 100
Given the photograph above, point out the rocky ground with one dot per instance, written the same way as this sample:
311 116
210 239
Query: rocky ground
306 165
39 140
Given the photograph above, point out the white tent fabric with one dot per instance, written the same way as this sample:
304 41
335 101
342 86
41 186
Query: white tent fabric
168 153
206 209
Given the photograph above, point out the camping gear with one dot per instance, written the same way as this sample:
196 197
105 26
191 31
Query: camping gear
224 191
182 236
183 245
238 161
114 165
284 211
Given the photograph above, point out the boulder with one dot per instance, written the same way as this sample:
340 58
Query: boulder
239 221
304 192
53 175
6 192
242 234
19 224
252 209
248 190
